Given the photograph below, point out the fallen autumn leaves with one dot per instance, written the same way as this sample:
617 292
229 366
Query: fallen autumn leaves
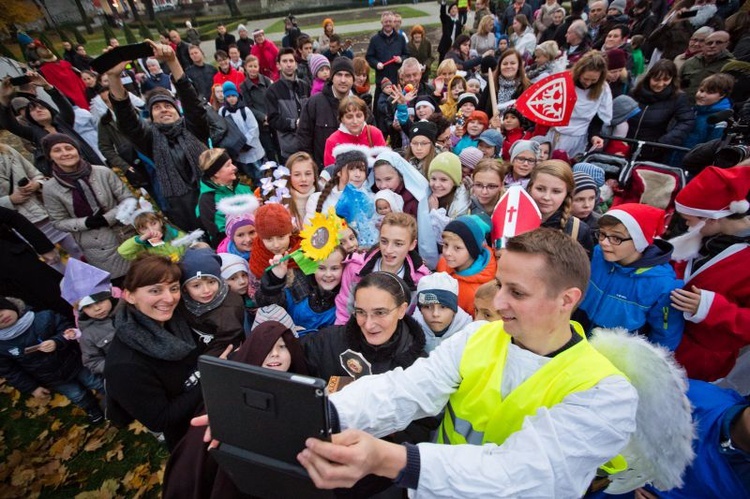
48 449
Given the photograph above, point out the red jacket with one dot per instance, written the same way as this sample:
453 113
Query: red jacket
234 76
60 75
266 53
510 138
374 139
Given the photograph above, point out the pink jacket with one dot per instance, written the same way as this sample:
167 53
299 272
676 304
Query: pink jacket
375 139
266 53
363 263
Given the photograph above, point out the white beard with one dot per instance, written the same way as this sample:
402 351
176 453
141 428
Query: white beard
705 12
687 245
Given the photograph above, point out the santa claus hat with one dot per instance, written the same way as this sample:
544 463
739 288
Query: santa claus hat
643 222
716 193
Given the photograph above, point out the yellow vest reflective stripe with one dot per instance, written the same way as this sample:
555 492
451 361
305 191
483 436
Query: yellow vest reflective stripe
478 414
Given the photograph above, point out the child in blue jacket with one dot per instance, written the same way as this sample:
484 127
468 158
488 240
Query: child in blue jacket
631 278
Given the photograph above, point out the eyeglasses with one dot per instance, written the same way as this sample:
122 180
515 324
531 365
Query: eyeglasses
486 187
528 161
377 315
420 144
613 240
716 42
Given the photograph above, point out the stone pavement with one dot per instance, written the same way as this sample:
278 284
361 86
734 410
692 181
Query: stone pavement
431 9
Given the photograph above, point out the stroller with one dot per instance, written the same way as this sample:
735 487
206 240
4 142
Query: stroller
646 182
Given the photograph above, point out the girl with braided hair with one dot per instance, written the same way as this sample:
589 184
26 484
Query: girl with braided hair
551 187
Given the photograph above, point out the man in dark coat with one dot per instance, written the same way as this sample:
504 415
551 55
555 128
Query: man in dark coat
174 142
320 115
452 27
181 48
244 42
386 45
223 39
284 101
200 73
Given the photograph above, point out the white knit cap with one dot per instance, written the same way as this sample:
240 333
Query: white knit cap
231 264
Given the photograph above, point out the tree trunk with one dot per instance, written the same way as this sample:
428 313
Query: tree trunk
233 9
149 9
84 18
134 10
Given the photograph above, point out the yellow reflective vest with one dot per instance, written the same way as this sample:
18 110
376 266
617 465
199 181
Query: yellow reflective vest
477 413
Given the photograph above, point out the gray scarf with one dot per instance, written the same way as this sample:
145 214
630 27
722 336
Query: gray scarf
505 89
198 309
171 341
18 328
176 152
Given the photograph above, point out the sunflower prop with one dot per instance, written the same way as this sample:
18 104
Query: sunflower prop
319 238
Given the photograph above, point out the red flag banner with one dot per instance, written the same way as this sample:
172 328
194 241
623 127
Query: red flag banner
514 214
550 101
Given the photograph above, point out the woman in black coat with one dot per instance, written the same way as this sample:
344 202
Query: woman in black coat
666 115
377 338
452 27
151 371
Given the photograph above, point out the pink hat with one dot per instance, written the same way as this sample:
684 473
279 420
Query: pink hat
716 193
318 62
643 222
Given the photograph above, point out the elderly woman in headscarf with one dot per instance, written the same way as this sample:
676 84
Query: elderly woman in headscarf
82 199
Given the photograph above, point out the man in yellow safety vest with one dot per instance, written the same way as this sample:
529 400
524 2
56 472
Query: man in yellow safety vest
531 408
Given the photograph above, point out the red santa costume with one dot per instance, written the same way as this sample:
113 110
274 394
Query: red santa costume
720 327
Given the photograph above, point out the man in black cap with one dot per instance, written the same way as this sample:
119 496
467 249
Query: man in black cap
320 115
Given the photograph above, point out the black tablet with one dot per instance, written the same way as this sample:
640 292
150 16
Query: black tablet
262 418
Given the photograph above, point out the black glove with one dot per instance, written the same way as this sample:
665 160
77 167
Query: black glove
96 221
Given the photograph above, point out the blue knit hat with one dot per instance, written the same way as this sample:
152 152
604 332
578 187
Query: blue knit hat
230 89
472 230
198 263
594 171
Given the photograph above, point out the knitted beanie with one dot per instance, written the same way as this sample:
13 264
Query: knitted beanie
6 304
616 59
520 146
342 64
425 128
385 83
479 116
272 220
470 156
593 171
447 163
230 89
318 62
473 232
347 156
236 222
198 263
231 264
161 97
52 139
467 97
438 288
583 182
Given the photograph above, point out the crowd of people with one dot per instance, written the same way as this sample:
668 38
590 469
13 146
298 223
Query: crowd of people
175 189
